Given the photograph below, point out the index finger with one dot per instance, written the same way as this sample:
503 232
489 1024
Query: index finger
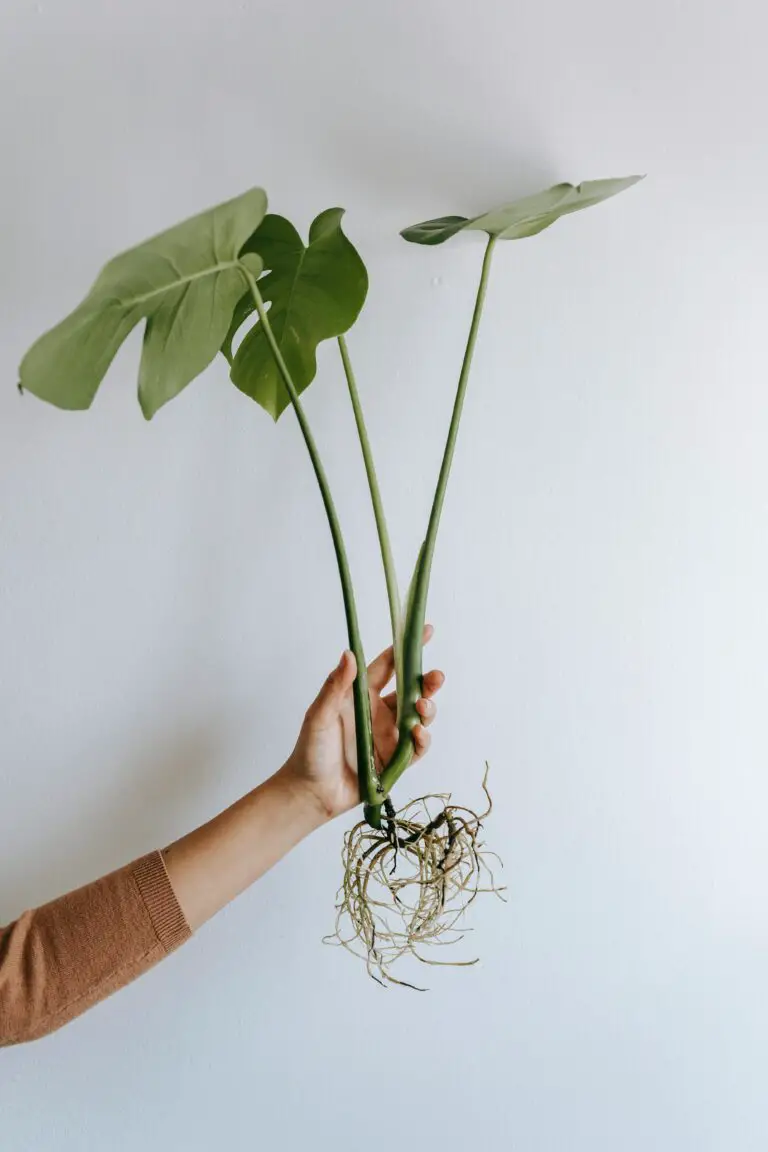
382 669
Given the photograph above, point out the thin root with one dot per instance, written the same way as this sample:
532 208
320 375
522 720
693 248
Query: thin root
407 885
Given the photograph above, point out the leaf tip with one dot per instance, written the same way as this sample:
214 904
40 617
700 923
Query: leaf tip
20 388
148 409
435 231
325 223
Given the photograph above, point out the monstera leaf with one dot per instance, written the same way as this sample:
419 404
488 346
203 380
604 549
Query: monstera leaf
184 282
315 292
523 217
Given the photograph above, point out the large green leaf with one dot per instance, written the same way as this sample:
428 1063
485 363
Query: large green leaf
184 282
522 217
314 292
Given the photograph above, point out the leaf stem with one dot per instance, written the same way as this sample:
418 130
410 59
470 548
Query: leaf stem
414 624
390 575
370 789
453 430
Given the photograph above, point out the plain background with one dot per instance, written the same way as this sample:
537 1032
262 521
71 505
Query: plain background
169 603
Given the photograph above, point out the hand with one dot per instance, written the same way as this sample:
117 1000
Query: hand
324 761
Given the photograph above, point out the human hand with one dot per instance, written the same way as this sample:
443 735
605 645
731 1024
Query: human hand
324 761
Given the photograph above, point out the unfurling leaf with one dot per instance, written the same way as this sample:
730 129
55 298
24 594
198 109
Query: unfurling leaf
523 217
184 282
314 292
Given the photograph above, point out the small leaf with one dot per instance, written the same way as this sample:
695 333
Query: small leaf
524 217
435 231
185 282
315 293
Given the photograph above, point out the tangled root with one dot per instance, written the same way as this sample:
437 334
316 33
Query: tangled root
408 885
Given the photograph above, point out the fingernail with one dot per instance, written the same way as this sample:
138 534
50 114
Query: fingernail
343 658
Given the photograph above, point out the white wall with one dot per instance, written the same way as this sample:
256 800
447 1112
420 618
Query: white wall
168 599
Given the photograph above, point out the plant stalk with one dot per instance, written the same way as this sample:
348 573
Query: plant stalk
390 575
416 612
370 788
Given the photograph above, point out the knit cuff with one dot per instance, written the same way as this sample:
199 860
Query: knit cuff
160 899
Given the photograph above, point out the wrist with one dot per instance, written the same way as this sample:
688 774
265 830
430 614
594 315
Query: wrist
301 797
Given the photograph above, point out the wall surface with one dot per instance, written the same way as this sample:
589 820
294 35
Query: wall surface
169 604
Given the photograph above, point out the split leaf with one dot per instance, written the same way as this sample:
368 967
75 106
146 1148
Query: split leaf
185 282
314 293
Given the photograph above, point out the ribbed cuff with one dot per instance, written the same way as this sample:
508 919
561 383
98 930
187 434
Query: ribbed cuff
160 899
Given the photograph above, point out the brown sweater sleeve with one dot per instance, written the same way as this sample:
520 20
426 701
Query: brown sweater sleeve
58 960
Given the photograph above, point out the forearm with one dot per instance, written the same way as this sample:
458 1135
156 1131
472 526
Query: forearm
58 960
219 860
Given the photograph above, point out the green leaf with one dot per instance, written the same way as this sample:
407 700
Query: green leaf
184 282
314 292
524 217
435 231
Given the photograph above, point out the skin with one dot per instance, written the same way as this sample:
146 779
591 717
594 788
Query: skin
212 865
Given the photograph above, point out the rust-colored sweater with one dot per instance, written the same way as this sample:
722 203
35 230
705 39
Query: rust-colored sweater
62 958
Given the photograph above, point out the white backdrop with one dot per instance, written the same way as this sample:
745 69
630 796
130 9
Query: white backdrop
169 603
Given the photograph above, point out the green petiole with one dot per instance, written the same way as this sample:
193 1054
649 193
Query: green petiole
390 575
413 636
370 789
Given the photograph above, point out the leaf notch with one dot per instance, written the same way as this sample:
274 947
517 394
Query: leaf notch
185 282
315 292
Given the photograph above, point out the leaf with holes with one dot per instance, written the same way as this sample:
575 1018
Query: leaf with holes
185 282
315 292
524 217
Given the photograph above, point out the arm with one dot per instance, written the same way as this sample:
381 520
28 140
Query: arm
58 960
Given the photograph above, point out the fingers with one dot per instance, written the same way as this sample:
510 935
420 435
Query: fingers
427 709
382 669
431 684
421 738
421 741
329 701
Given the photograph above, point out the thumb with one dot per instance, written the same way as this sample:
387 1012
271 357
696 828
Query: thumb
328 703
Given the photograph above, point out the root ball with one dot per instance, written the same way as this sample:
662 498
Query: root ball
407 887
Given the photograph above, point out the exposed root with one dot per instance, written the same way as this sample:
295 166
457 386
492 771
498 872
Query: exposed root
408 885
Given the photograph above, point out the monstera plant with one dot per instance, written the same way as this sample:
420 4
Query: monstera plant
409 874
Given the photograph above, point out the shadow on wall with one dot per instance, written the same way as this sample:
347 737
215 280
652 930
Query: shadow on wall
443 166
403 150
